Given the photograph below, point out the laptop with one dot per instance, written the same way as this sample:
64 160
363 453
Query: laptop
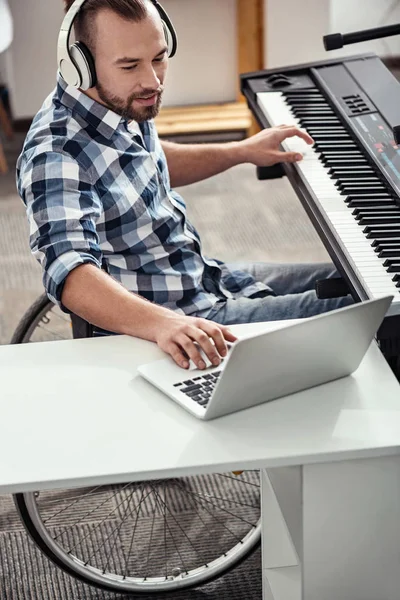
264 366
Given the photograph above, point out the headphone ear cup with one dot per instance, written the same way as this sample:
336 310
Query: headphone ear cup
168 38
169 30
84 62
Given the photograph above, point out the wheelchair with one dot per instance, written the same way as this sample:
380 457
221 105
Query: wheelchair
189 531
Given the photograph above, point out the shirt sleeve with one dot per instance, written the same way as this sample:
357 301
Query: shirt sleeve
62 208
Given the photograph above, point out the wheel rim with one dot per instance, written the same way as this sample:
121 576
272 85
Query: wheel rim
50 324
158 535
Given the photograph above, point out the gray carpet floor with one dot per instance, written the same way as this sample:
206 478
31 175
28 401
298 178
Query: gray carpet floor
239 218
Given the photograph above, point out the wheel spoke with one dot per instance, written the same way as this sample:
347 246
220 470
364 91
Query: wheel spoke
216 518
194 504
173 539
79 498
101 546
118 530
179 525
227 500
165 535
133 533
48 330
257 485
221 508
150 539
90 513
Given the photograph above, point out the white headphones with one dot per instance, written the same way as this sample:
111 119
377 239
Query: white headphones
76 63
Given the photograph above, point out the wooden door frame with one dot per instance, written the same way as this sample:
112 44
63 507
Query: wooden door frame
250 37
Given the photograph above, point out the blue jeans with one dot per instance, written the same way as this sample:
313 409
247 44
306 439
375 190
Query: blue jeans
293 295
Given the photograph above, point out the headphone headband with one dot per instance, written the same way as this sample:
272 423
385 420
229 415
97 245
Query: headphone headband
76 63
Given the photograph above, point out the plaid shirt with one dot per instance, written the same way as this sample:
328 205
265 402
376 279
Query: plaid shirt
97 190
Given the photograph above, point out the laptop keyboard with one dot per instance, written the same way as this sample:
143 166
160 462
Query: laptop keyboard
199 389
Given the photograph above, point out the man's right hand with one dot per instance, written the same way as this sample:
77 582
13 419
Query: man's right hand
182 337
97 298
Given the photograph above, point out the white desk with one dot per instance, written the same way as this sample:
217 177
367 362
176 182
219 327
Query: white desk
75 413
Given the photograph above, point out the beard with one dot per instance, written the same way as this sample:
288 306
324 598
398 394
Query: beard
125 107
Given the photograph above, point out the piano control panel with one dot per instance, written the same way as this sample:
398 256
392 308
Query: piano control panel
377 136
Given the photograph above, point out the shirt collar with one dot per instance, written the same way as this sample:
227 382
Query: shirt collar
105 121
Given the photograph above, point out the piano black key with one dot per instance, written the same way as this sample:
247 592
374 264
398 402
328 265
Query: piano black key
362 202
367 196
338 162
359 214
379 210
388 240
354 170
322 119
388 262
390 244
389 253
304 101
332 137
338 153
305 112
341 175
380 220
327 159
366 181
314 111
330 129
348 190
293 94
333 147
336 144
376 233
318 121
394 268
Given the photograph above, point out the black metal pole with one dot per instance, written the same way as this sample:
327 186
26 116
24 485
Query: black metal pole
338 40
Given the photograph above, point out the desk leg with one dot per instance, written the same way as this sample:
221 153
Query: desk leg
282 533
332 531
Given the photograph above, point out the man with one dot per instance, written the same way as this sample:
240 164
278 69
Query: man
97 184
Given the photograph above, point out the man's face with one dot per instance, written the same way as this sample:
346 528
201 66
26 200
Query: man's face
131 64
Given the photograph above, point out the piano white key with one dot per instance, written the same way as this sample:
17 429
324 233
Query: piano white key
369 265
278 113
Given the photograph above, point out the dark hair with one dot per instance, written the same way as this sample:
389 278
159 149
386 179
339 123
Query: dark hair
132 10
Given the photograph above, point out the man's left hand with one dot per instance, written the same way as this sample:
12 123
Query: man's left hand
262 149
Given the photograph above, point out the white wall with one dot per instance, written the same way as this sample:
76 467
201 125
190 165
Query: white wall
294 28
205 68
33 66
353 15
2 67
203 71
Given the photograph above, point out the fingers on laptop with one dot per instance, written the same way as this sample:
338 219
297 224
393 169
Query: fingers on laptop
204 336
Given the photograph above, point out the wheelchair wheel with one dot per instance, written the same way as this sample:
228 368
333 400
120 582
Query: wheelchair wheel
43 322
147 537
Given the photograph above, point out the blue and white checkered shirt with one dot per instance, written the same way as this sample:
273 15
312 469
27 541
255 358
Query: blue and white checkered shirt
97 190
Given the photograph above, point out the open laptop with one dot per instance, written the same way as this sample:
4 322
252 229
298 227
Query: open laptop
264 366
